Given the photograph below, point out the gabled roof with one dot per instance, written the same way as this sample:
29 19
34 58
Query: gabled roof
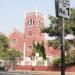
17 32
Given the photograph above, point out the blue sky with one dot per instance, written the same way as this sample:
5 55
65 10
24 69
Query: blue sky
12 12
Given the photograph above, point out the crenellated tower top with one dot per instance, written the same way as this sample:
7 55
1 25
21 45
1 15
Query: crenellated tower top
34 21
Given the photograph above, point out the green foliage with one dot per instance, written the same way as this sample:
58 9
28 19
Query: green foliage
55 30
67 45
54 43
12 54
3 43
70 23
55 26
2 54
69 59
34 50
39 48
57 62
5 52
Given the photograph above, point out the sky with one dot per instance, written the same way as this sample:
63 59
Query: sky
12 12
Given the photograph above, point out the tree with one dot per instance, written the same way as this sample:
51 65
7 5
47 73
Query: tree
12 55
69 59
54 43
39 48
4 44
55 28
5 52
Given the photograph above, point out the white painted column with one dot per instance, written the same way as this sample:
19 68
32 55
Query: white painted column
24 22
24 14
24 53
36 12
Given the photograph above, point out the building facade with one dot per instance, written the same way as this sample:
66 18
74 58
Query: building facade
33 22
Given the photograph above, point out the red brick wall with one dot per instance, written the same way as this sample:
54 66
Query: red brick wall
70 68
35 30
37 68
19 41
36 35
44 68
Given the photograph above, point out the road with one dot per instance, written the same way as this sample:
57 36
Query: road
15 73
35 73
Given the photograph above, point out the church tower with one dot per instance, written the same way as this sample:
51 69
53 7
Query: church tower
34 22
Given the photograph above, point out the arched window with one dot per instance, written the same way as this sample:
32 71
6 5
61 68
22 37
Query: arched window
31 22
14 41
29 48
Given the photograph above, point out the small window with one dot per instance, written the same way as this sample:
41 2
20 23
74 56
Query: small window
31 22
14 41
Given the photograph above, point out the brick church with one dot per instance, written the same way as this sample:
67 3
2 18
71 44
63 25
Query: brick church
33 22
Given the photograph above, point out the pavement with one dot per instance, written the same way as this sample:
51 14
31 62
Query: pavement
48 73
34 73
14 73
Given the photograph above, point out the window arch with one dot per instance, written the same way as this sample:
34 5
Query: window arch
14 41
29 48
31 22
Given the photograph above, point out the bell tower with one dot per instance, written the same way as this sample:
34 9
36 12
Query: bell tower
34 21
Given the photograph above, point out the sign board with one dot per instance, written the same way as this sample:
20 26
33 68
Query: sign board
62 8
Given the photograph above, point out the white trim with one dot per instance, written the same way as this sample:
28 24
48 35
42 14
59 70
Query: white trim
36 12
25 14
24 53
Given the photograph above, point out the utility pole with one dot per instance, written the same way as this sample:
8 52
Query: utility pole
62 49
62 10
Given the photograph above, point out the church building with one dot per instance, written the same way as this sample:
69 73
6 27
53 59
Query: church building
33 22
